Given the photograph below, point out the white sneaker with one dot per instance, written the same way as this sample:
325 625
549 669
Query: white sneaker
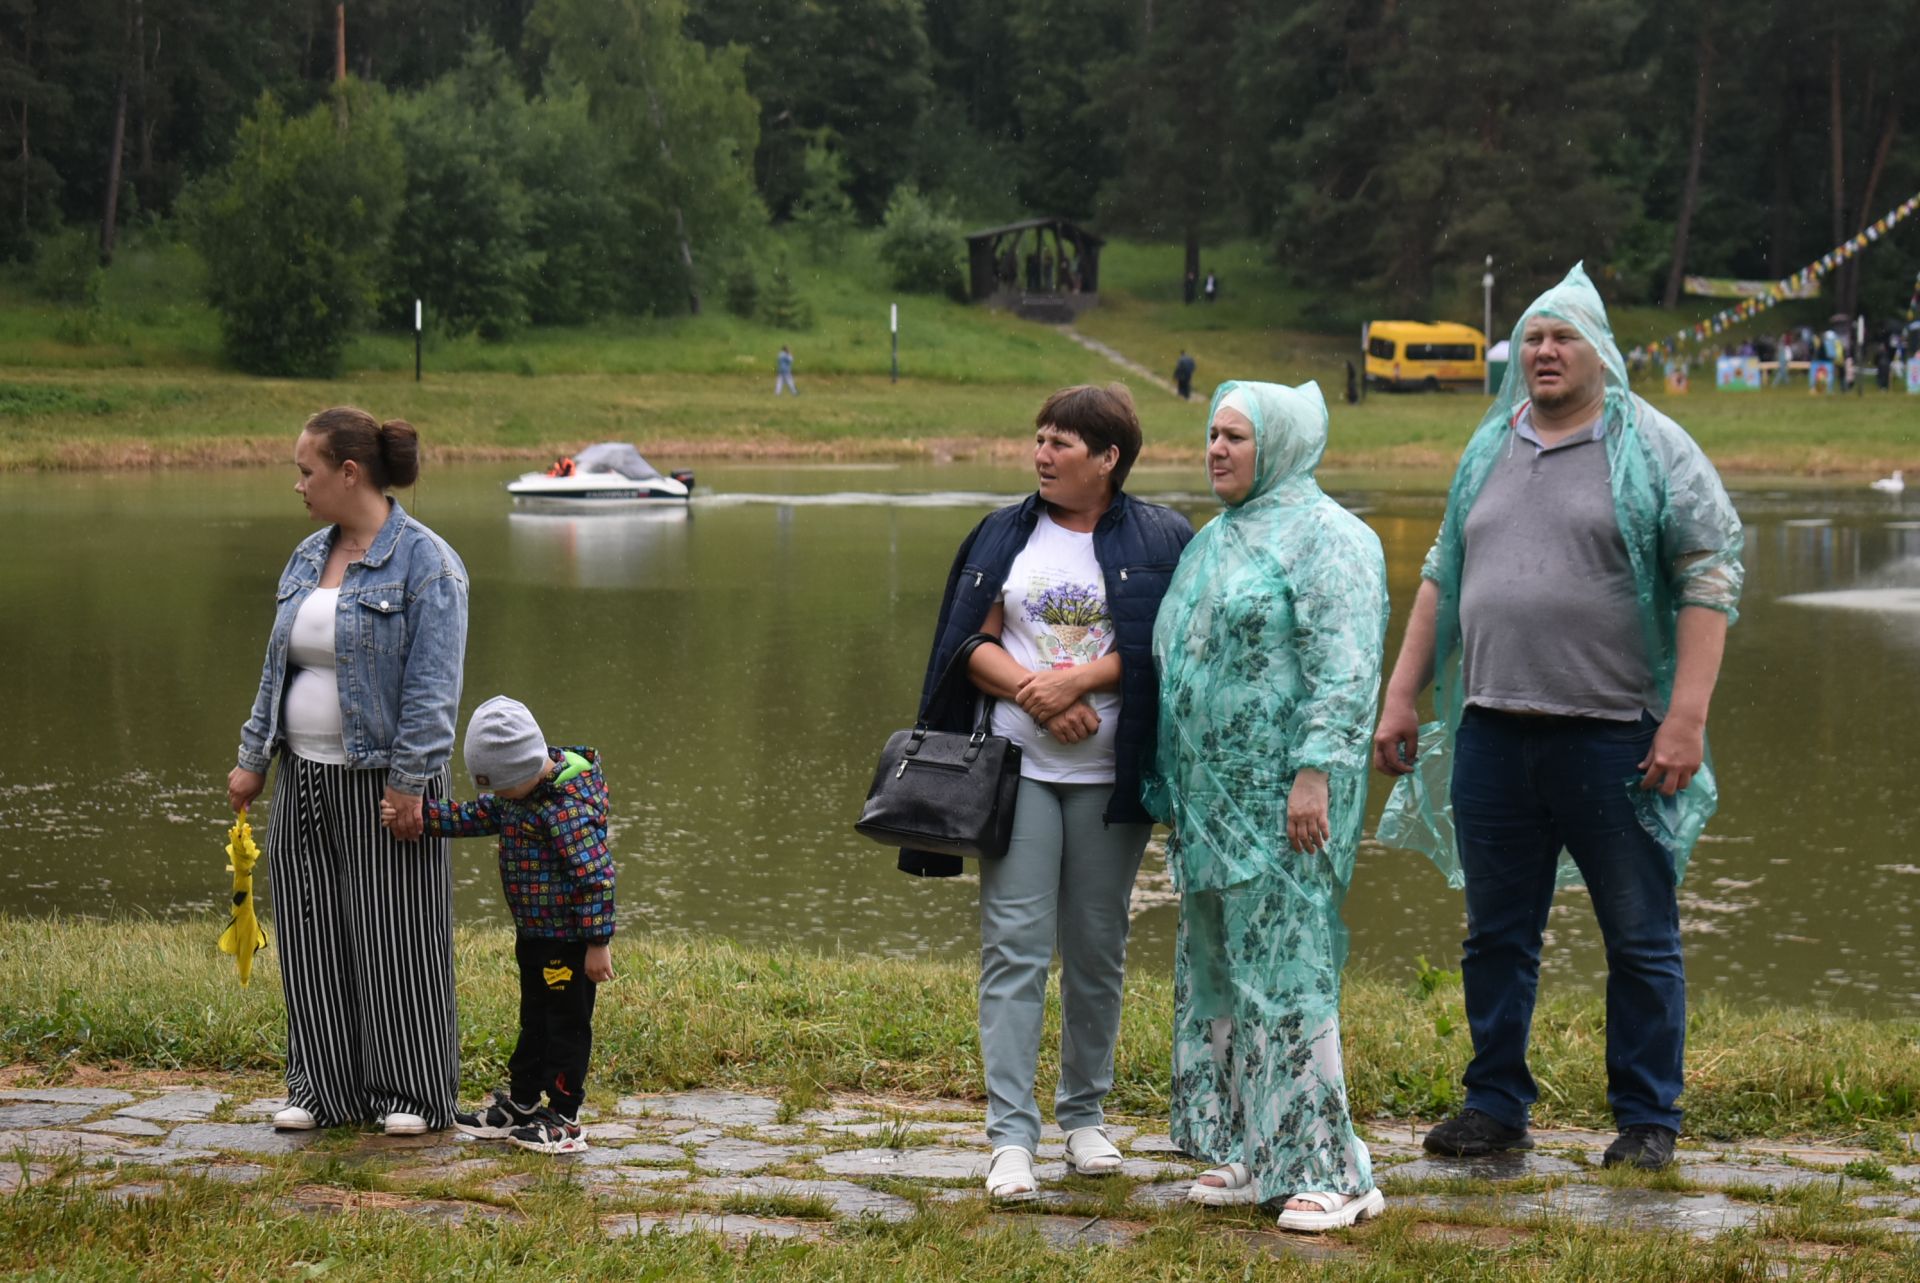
403 1124
1090 1153
294 1119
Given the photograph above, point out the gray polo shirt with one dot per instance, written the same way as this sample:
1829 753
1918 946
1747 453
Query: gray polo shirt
1549 615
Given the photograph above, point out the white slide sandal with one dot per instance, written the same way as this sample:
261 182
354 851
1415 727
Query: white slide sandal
1338 1211
1236 1187
1010 1175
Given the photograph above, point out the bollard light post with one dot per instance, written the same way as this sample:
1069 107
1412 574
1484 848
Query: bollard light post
893 325
1486 331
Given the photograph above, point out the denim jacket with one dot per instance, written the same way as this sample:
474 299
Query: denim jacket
400 637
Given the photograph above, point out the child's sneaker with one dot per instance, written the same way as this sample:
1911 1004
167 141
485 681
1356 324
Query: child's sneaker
496 1120
549 1133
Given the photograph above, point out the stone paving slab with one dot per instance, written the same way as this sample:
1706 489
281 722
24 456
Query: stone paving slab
98 1097
15 1177
1064 1232
1898 1204
846 1198
225 1173
458 1170
728 1108
455 1213
186 1105
264 1108
1513 1165
1772 1176
53 1141
925 1161
1162 1194
880 1128
732 1155
247 1138
617 1155
609 1131
1628 1207
161 1156
727 1225
118 1126
615 1177
26 1114
1153 1143
138 1191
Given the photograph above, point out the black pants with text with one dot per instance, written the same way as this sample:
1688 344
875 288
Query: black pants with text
556 1024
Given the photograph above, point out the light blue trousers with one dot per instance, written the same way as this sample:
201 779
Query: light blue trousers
1067 878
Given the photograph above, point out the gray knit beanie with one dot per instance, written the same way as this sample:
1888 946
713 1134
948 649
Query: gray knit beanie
504 745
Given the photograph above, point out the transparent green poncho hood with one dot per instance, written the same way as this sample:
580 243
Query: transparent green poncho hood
1683 540
1268 645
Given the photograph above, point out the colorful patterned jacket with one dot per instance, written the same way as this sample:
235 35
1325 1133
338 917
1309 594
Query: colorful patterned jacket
555 867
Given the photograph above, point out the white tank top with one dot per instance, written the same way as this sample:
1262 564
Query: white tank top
311 717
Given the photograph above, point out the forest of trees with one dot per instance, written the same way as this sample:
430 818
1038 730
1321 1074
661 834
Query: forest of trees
551 160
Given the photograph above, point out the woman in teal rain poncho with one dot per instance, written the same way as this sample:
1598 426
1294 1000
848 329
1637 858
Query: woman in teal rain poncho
1268 644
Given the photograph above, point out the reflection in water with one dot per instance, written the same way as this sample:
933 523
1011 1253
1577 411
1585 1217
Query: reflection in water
639 548
740 665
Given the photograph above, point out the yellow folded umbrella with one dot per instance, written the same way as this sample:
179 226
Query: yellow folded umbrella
243 937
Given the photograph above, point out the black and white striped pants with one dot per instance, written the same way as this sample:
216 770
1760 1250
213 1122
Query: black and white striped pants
365 929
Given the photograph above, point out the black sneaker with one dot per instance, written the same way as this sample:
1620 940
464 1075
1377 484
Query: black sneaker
550 1133
1472 1134
495 1120
1647 1146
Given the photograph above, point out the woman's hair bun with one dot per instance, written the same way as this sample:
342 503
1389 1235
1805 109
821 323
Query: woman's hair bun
400 452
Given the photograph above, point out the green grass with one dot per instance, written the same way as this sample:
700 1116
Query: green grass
139 381
681 1014
139 995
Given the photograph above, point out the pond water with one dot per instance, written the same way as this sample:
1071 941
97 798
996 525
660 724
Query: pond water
739 666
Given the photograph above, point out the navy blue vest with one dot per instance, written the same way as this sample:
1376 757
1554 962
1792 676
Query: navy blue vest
1137 545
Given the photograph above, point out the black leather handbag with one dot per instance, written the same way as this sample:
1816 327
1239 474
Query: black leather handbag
948 792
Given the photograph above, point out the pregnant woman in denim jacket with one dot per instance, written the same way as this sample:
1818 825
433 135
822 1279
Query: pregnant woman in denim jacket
358 698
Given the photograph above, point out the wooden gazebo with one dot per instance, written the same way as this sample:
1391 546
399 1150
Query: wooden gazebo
1047 269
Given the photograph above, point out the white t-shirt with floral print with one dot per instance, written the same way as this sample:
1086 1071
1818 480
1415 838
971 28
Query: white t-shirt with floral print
1056 616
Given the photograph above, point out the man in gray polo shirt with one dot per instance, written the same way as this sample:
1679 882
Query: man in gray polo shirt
1575 607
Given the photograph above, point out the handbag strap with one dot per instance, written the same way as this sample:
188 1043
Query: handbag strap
956 671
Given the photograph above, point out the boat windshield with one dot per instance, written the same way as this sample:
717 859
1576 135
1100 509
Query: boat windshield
615 456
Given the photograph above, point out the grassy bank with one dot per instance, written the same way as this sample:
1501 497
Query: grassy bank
682 1014
139 1003
138 380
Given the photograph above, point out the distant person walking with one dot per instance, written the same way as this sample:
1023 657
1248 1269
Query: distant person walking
1212 287
784 379
1573 611
1183 375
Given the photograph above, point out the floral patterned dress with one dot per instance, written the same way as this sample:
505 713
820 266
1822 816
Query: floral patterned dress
1269 646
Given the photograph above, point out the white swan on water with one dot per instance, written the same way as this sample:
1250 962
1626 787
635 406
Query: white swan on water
1891 485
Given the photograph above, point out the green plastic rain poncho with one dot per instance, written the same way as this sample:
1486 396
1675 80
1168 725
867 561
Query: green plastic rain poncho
1268 645
1683 539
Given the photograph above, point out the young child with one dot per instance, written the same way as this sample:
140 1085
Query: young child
549 807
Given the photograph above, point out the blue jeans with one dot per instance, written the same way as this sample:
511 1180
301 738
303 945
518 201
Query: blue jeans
1523 788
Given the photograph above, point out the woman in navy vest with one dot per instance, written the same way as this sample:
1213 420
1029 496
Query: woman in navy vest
1067 583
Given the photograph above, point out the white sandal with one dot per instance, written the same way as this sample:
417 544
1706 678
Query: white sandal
1339 1211
1090 1153
1010 1174
1235 1188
